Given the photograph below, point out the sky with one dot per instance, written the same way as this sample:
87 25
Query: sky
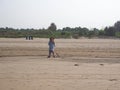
64 13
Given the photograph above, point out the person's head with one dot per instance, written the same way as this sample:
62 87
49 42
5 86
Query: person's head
51 38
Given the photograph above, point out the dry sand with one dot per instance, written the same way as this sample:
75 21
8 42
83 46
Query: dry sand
84 64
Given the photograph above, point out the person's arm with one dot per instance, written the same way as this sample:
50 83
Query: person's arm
49 43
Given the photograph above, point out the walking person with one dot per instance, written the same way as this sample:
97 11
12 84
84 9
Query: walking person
51 44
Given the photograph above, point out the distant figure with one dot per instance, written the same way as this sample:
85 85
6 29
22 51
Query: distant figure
51 44
26 37
29 37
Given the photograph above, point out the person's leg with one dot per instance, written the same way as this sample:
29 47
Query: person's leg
53 53
49 54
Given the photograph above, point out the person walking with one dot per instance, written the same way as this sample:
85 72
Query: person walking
51 44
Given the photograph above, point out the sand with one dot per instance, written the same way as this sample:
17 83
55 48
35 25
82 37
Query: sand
84 64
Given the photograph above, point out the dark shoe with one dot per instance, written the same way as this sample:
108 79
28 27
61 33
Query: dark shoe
48 56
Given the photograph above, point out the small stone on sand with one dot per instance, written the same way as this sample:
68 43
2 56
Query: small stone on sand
76 64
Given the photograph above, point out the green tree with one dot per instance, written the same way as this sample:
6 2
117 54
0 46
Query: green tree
117 26
83 31
101 32
110 31
52 27
117 34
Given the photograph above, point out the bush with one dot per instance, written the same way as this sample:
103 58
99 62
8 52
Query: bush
117 34
75 36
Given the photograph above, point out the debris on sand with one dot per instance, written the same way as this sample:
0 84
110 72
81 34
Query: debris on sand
102 64
76 64
112 79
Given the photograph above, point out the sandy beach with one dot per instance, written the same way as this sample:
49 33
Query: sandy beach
84 64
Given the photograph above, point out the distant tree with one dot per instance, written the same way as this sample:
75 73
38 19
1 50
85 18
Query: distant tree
66 32
83 32
117 34
91 34
117 26
67 29
110 31
52 27
96 31
101 32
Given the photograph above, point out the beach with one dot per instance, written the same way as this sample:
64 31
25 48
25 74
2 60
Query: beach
84 64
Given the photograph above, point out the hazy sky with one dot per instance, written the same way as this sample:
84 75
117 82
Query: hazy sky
71 13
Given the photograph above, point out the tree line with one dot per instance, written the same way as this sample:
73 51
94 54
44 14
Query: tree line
66 32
